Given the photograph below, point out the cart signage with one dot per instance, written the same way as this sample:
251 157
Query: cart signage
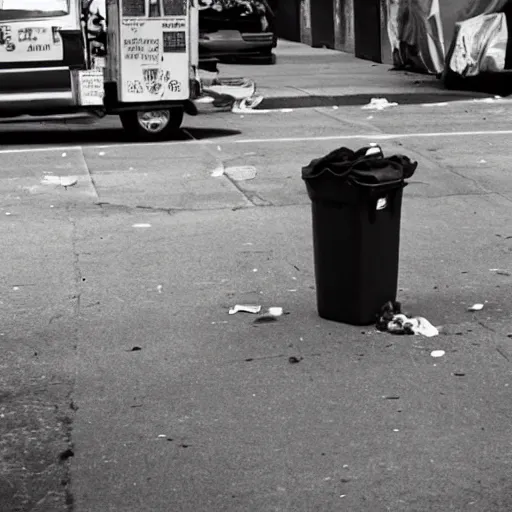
154 59
30 41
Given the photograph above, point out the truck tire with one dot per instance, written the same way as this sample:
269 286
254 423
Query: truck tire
152 125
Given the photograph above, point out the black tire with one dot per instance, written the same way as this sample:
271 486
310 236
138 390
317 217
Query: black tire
136 131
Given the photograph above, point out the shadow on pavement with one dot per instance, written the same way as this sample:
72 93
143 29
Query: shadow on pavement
354 100
49 134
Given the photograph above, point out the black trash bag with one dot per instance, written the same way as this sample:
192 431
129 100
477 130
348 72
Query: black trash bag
339 161
366 166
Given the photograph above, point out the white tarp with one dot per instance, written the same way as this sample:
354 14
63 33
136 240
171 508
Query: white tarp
421 31
480 45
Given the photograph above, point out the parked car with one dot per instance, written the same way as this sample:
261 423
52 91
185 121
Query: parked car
231 29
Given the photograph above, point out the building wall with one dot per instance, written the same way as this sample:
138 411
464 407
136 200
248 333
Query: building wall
344 25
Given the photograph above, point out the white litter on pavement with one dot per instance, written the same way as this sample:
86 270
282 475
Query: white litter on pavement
7 213
141 226
500 271
379 104
217 172
437 353
476 307
275 311
245 308
64 154
241 173
159 288
64 181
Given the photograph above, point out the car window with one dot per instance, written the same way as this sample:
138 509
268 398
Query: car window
29 9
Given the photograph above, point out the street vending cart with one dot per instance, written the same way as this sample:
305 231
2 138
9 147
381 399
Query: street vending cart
134 58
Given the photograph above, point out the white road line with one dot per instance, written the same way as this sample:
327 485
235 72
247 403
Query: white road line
278 140
40 150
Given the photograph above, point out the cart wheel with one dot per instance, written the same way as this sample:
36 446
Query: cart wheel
152 125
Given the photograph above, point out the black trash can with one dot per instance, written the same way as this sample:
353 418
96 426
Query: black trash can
356 209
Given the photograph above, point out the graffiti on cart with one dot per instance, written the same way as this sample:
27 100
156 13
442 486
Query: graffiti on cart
174 86
155 80
6 38
31 34
135 87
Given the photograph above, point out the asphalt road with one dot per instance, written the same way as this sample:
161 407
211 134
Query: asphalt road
149 249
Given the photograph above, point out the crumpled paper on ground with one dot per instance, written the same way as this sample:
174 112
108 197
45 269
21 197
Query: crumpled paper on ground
392 320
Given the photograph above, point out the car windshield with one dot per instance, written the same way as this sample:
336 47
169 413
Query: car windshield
29 9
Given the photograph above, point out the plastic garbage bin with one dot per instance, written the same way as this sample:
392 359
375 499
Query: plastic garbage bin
356 209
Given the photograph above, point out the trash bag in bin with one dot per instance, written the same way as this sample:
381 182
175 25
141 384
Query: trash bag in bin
356 206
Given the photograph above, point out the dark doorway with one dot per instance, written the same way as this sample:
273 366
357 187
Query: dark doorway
287 19
367 30
322 23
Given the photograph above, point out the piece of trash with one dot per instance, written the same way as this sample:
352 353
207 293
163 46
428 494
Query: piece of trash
162 435
241 173
141 226
64 154
204 99
378 104
134 349
64 181
265 319
51 206
396 430
393 321
295 360
437 353
245 308
335 107
476 307
500 271
275 311
497 97
247 105
483 161
392 397
217 172
459 374
159 288
7 213
66 454
255 270
15 288
219 148
101 153
292 290
342 495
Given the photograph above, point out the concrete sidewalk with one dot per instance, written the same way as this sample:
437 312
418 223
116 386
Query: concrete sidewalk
314 77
